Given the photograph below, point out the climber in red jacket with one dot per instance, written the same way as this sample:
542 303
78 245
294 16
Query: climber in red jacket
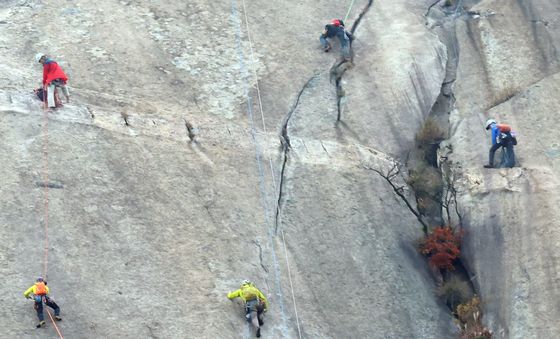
53 78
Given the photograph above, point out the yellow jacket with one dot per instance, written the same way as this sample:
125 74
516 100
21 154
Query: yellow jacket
243 291
33 289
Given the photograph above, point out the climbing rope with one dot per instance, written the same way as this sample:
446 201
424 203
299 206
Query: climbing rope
349 9
46 182
253 64
254 68
257 146
270 160
291 284
54 323
46 196
262 186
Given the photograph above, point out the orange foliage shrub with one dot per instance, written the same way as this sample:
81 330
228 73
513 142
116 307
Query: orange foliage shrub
442 246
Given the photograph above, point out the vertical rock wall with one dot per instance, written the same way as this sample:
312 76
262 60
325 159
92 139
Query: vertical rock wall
508 71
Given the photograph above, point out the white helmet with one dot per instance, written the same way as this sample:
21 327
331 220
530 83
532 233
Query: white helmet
246 282
489 122
38 56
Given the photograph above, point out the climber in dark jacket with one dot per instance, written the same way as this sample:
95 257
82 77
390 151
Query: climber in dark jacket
502 136
336 29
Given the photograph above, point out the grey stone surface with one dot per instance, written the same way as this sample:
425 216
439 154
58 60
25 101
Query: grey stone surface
148 231
508 70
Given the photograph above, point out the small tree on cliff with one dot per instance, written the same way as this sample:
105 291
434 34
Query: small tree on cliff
442 247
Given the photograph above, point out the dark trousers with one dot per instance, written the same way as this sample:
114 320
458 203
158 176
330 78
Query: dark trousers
254 310
509 155
50 303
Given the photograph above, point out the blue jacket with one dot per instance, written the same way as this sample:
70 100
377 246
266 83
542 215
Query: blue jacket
495 133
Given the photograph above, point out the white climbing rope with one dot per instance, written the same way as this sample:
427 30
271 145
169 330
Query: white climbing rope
270 160
253 64
262 185
254 68
349 9
291 284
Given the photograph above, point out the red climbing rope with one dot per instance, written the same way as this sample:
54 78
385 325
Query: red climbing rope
46 180
54 323
46 195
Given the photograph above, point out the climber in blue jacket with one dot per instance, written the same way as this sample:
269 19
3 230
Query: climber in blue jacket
502 136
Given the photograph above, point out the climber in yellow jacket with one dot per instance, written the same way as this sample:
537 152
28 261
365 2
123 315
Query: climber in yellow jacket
40 292
255 303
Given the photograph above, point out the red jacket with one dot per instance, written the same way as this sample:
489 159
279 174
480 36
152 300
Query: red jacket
51 71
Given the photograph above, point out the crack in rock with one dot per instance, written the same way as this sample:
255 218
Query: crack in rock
339 68
49 185
431 6
286 146
444 104
284 137
190 130
90 111
125 117
324 148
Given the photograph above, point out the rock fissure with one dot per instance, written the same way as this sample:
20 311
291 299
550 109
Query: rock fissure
324 148
125 118
49 185
360 16
431 6
91 112
441 195
340 67
151 330
190 130
286 146
284 136
445 199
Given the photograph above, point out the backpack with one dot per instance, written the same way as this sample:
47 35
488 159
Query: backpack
506 134
40 93
504 128
40 288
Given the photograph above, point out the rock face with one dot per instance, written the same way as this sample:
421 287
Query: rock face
149 230
508 70
202 147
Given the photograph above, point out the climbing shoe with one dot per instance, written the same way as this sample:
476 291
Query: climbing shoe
327 48
58 318
258 332
41 324
488 166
